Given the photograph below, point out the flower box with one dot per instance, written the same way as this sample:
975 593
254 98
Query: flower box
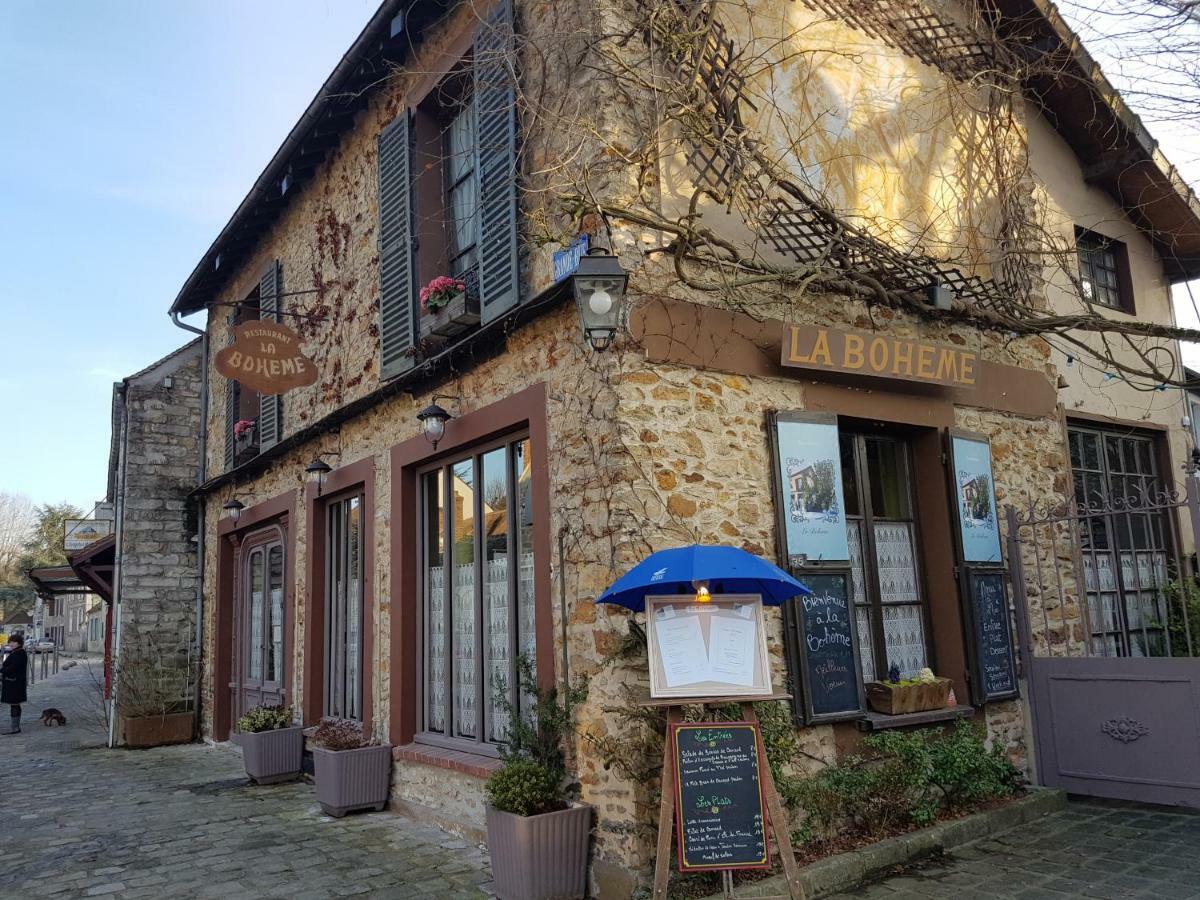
539 857
272 756
457 316
140 732
908 697
349 780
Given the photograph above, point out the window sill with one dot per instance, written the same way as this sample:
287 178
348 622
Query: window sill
873 721
455 760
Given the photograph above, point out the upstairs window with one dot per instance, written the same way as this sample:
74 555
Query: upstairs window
1104 270
261 416
448 195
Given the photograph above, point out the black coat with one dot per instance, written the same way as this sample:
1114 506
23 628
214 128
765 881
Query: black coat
14 677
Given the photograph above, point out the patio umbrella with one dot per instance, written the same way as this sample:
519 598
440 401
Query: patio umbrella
723 570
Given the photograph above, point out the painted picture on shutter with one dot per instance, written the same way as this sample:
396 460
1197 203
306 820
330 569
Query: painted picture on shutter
810 489
975 496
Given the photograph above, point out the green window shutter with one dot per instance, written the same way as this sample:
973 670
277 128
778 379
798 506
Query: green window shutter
397 298
496 121
270 407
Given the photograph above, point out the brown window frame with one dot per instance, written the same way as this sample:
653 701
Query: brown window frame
336 602
1090 248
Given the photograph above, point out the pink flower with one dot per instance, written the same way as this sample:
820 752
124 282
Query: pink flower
242 426
440 291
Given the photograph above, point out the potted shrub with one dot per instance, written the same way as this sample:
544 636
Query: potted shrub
352 773
896 695
154 700
537 836
448 308
272 746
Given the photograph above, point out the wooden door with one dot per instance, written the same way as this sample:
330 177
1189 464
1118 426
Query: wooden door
258 653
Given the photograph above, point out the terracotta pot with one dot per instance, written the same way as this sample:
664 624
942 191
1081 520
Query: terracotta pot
539 857
894 699
456 317
139 732
349 780
272 756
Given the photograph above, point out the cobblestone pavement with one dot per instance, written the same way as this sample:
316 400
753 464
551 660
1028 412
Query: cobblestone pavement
83 821
1092 849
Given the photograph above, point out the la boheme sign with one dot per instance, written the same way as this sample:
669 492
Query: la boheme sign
266 357
879 355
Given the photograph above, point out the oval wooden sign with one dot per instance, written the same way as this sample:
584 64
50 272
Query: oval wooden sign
266 357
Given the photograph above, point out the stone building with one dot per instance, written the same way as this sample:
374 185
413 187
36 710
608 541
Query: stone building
450 143
154 588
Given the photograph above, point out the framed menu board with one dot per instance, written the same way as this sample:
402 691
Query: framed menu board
973 494
716 648
824 661
994 675
720 806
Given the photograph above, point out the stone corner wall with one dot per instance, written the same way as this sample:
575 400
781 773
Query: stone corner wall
159 566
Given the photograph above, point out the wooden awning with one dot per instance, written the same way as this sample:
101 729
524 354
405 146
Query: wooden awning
89 571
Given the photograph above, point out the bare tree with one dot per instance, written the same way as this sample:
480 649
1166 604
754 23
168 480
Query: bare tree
16 524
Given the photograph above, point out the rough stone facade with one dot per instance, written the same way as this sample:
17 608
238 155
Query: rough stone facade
155 466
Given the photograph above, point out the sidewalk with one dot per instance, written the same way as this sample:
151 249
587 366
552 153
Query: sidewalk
85 821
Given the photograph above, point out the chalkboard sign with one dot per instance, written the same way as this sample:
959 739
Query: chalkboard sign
827 642
995 671
720 812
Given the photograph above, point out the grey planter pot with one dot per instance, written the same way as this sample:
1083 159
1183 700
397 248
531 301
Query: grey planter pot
272 756
349 780
540 857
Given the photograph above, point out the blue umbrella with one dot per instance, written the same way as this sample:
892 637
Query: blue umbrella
723 570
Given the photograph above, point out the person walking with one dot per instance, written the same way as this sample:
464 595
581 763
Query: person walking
14 680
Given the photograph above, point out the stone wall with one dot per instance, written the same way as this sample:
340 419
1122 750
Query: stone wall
158 564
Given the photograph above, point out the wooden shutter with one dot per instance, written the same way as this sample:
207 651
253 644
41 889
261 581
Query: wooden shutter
232 402
270 407
397 298
496 121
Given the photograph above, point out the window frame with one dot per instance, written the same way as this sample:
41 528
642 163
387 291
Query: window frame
865 520
330 672
448 738
1088 245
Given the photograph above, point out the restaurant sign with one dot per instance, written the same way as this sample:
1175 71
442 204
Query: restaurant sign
79 534
878 355
266 357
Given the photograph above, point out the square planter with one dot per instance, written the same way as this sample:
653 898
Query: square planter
349 780
456 317
539 857
272 756
140 732
893 699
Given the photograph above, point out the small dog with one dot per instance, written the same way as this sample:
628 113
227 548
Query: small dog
53 716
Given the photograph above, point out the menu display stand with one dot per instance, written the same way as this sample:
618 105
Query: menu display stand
777 822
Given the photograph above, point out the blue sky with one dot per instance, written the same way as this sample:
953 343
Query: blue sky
131 130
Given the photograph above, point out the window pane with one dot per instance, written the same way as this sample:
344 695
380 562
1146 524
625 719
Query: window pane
256 615
858 595
334 611
889 479
904 633
849 475
354 576
527 626
465 684
435 605
496 599
275 585
895 562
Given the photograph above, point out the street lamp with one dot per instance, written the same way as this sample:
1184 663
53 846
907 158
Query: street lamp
320 468
433 421
235 506
600 284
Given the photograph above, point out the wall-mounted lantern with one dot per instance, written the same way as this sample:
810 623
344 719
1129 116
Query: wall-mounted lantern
318 469
600 284
433 421
235 507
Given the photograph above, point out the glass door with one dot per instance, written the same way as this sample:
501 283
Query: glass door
259 639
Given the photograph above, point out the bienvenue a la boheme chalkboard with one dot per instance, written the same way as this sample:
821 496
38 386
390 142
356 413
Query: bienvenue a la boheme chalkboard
995 676
721 820
830 679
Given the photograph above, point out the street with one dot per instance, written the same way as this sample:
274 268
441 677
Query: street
179 822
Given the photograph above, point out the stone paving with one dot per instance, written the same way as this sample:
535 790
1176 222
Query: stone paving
1092 849
79 820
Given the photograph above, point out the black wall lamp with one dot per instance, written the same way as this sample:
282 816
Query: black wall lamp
235 507
600 285
320 469
433 419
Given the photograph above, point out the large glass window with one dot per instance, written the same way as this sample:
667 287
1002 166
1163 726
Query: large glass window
881 528
477 591
344 607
